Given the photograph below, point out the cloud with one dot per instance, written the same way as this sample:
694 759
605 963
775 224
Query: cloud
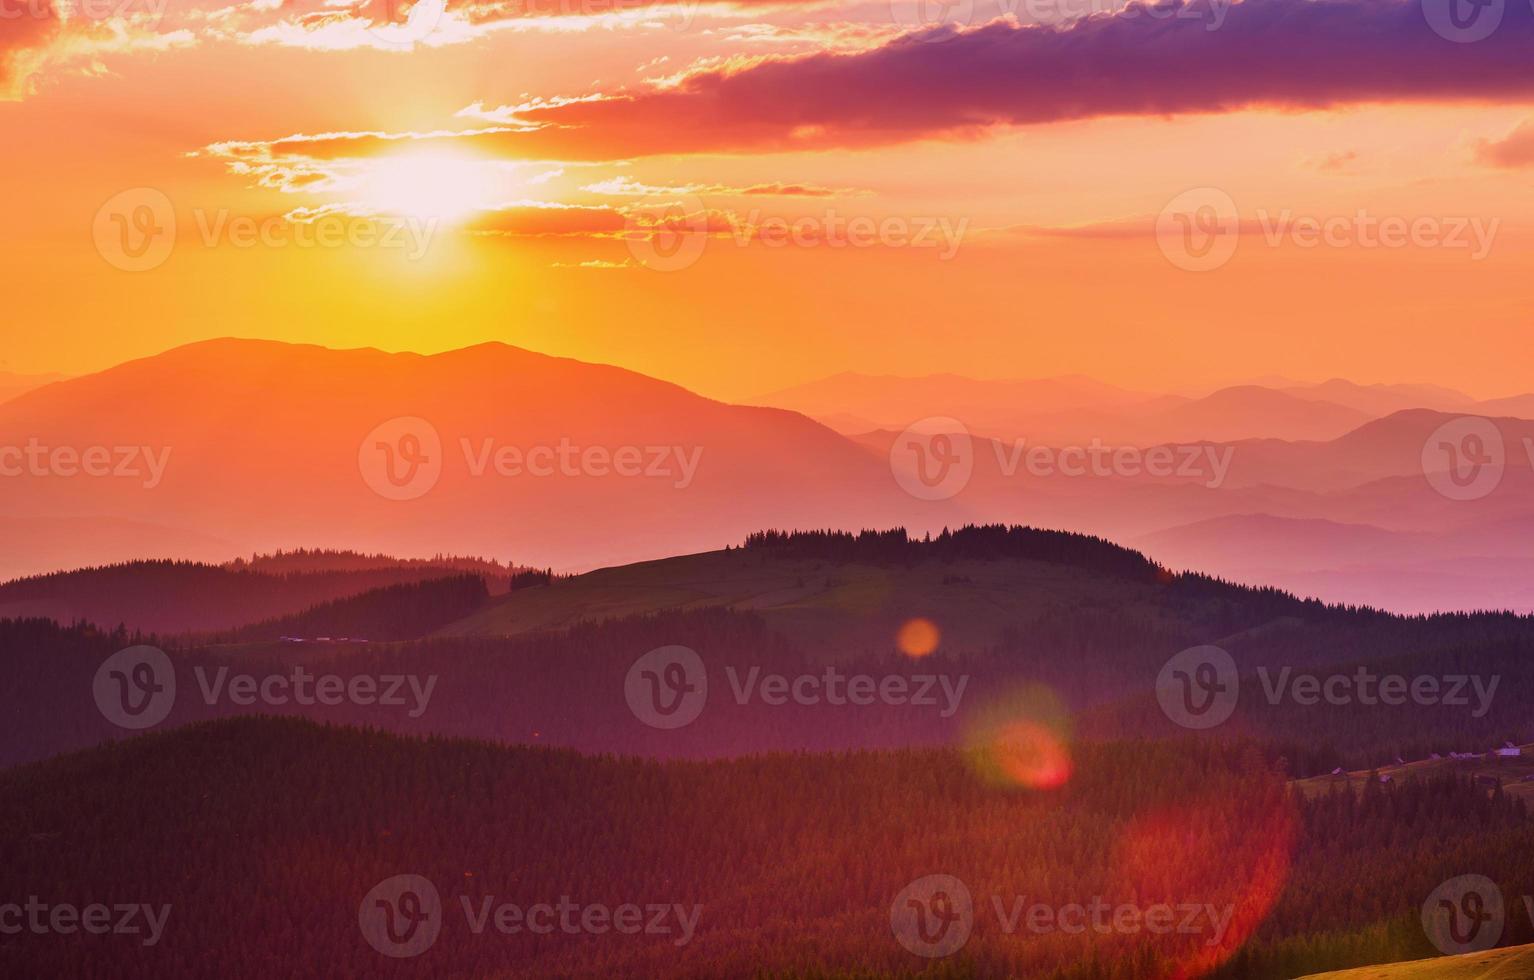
344 25
1290 54
38 37
1515 150
541 218
23 42
1340 162
627 187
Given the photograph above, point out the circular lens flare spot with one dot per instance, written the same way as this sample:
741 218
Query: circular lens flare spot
1029 754
1022 738
918 637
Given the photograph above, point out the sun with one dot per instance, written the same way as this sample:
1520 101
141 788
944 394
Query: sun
444 186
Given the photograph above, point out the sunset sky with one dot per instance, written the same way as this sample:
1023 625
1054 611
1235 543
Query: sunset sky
547 148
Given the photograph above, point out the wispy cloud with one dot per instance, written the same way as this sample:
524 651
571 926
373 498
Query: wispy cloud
1512 151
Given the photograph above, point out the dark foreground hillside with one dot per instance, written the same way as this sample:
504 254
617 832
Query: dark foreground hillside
259 846
177 597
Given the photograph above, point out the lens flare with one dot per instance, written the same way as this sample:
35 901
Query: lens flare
918 637
1231 854
1029 754
1022 739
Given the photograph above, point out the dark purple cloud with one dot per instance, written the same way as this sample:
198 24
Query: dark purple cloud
1183 57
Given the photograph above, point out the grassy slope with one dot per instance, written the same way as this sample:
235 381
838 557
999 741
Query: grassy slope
811 599
1514 963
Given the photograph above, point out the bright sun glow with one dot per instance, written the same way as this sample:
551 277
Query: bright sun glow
444 186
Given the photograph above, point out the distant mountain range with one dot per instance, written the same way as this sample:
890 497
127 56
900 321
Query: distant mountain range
1072 408
239 446
228 447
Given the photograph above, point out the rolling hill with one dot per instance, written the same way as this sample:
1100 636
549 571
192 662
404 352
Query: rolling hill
1083 624
168 598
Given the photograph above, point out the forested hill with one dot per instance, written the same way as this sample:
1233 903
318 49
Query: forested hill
264 837
837 590
971 542
175 597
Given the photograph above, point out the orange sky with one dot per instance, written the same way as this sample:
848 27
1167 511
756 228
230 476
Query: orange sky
1035 251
